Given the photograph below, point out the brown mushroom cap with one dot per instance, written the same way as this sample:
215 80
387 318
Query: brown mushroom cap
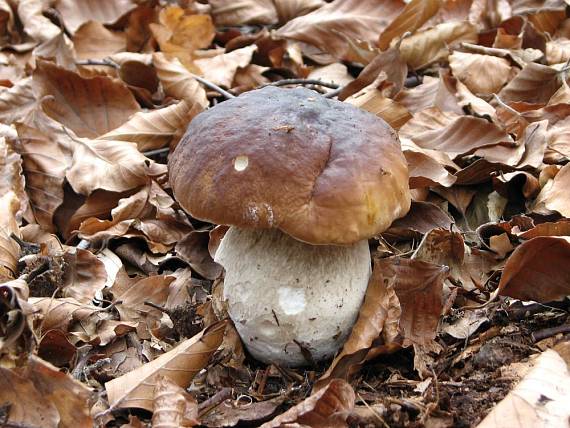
320 170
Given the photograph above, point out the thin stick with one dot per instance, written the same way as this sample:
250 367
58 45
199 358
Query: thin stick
213 87
220 396
156 152
106 62
285 82
334 93
549 332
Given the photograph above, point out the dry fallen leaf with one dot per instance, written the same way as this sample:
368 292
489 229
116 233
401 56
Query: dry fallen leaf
173 406
328 407
222 68
9 249
89 107
328 26
77 12
537 270
539 400
93 41
482 74
181 364
535 83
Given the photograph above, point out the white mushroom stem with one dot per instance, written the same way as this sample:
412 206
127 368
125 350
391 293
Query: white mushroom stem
289 299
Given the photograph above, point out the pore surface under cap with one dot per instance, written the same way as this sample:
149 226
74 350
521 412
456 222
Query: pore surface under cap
321 170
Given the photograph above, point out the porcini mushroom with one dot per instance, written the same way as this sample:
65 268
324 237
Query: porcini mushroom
304 181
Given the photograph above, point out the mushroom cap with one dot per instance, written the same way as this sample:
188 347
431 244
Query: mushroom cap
320 170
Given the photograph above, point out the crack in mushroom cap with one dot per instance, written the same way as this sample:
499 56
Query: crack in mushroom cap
320 170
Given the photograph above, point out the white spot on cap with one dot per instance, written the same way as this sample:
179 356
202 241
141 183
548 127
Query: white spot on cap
291 300
240 163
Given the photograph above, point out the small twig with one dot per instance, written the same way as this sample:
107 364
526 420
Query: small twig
285 82
549 332
333 93
214 401
105 62
374 412
155 306
156 152
213 87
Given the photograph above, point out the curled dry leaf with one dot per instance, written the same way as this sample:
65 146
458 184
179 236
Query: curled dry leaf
535 83
328 407
242 12
84 275
194 249
14 323
93 41
148 214
177 81
430 45
35 24
557 51
482 74
60 49
328 26
289 9
554 194
28 407
372 100
60 314
388 62
17 102
181 364
11 177
540 399
222 68
422 217
418 286
77 12
442 247
157 128
538 270
414 15
90 107
180 33
9 249
377 321
425 171
70 397
464 135
173 406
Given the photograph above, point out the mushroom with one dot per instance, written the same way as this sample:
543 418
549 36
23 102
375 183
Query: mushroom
304 182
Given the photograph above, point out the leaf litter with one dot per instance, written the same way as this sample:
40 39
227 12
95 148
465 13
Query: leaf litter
110 304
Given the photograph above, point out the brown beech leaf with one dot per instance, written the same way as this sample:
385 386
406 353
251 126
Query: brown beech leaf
429 119
77 12
11 177
414 15
538 270
418 286
93 41
234 415
148 213
540 399
430 45
84 275
89 107
289 9
157 128
388 62
116 166
177 81
28 406
181 364
17 102
9 249
422 217
152 289
442 247
221 69
180 33
194 250
554 194
242 12
535 83
328 407
377 319
559 228
535 143
173 406
557 51
60 314
328 26
469 68
35 24
372 100
70 397
59 49
558 142
463 135
425 171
